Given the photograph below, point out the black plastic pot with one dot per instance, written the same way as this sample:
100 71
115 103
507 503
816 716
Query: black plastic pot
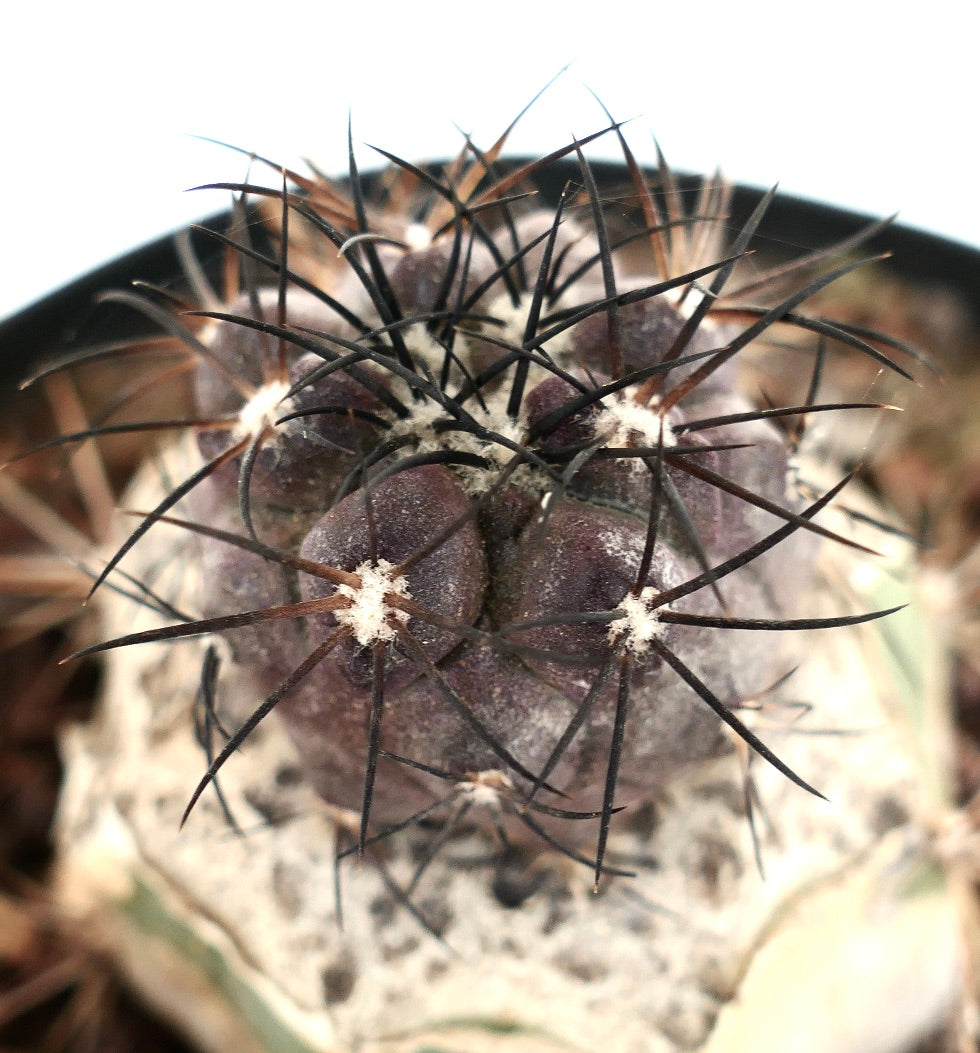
71 316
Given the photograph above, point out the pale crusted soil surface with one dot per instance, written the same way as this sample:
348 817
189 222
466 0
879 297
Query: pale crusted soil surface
58 992
653 960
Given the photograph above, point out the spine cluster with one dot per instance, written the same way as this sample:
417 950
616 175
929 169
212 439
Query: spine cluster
480 508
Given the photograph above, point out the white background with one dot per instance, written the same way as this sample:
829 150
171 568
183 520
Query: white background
865 105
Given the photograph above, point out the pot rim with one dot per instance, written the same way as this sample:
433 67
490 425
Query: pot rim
71 314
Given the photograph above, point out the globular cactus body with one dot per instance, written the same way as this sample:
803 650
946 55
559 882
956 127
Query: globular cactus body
487 507
487 518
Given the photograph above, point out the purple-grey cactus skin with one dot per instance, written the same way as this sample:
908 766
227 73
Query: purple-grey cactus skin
490 514
542 544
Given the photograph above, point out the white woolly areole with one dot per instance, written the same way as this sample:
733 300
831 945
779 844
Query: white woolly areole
417 236
424 350
485 788
640 624
623 421
496 419
419 424
514 321
263 408
370 614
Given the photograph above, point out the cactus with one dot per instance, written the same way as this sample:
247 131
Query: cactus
485 517
476 497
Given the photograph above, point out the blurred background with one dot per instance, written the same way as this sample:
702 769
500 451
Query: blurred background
863 105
